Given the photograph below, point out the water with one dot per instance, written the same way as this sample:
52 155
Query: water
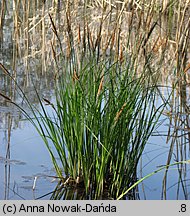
26 159
29 158
23 155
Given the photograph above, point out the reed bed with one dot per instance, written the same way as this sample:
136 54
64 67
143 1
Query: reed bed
108 60
98 127
104 28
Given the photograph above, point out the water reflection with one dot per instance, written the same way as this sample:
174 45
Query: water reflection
178 138
20 164
26 44
18 142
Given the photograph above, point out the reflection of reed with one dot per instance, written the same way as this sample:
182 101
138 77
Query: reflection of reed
105 29
179 137
179 105
2 17
8 156
8 121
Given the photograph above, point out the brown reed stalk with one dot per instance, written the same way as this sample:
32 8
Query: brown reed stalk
187 68
79 34
56 33
5 70
160 42
90 40
68 50
98 39
100 86
2 15
113 39
121 55
75 76
84 38
53 26
56 61
43 41
5 97
118 114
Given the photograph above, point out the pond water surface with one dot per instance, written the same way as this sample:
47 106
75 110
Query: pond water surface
24 157
26 171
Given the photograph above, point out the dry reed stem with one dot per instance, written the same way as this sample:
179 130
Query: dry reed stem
160 43
53 26
121 56
5 97
90 40
118 114
53 51
2 14
113 38
187 68
5 70
68 50
106 27
84 39
79 35
100 87
75 76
